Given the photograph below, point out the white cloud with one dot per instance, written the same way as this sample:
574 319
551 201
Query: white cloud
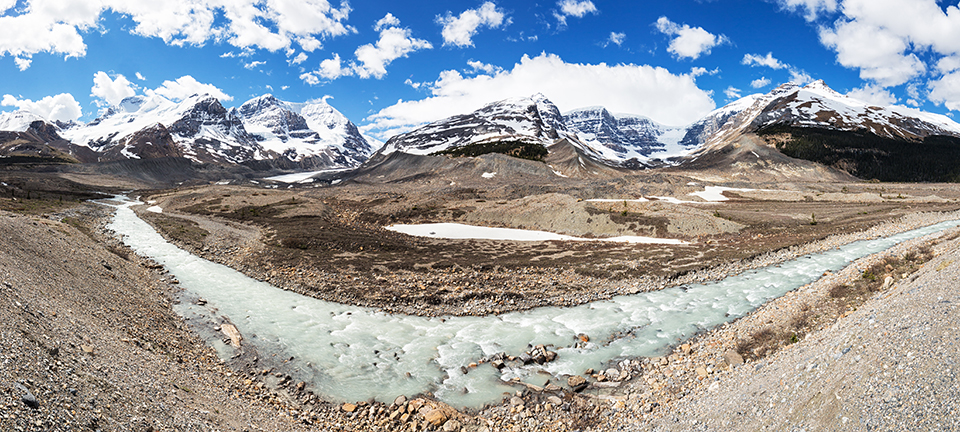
140 77
23 63
371 59
388 20
111 91
460 30
797 76
877 52
489 69
56 26
872 94
414 85
574 8
394 42
6 5
187 86
309 43
62 107
892 42
948 64
254 64
698 71
330 69
733 93
800 77
645 90
760 82
300 58
577 8
759 60
617 38
813 7
688 42
946 91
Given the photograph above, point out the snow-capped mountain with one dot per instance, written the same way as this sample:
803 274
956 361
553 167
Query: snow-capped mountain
817 105
526 119
199 126
623 137
311 134
17 121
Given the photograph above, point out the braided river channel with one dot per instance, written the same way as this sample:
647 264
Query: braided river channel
350 353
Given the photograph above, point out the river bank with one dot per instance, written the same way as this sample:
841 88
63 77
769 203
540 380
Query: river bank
674 384
141 351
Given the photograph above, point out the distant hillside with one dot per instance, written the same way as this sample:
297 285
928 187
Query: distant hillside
935 158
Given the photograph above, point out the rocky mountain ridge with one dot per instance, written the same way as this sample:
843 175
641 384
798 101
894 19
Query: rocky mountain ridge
268 133
199 128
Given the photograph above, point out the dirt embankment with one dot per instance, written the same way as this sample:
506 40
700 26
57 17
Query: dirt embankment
89 340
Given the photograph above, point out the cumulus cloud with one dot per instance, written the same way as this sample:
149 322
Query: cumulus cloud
62 107
394 42
574 8
371 59
111 90
877 52
873 94
23 63
645 90
946 91
759 60
617 38
895 42
254 64
797 75
760 82
733 93
300 58
688 42
812 8
187 86
459 30
489 69
140 77
56 26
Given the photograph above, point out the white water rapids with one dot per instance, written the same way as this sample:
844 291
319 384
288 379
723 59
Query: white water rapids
350 353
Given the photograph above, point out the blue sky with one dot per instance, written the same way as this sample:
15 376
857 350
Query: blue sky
392 65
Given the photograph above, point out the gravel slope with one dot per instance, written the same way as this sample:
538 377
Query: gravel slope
890 365
88 341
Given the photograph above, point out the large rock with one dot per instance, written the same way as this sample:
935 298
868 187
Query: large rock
577 383
733 358
28 398
231 331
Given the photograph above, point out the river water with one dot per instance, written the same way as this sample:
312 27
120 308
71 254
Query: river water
349 353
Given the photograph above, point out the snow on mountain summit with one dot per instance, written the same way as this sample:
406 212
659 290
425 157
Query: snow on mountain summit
313 134
17 121
531 119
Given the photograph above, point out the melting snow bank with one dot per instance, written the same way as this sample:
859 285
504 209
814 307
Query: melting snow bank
301 177
155 209
460 231
710 194
350 353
